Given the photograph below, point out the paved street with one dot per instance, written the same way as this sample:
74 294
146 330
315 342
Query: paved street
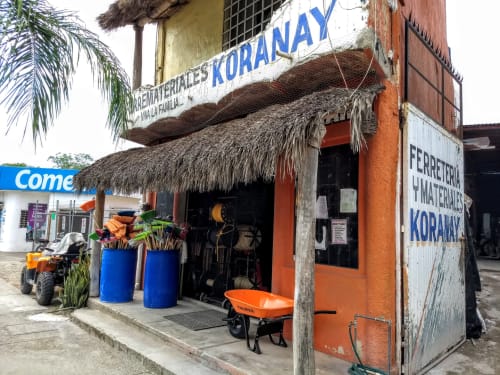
35 340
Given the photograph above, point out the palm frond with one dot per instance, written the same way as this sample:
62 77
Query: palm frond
39 51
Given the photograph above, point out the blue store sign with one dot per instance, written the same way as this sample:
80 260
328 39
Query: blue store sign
37 179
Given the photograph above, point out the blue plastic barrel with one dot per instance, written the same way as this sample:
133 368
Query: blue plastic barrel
161 278
117 280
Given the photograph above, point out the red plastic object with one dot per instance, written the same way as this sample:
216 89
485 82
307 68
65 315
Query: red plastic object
259 304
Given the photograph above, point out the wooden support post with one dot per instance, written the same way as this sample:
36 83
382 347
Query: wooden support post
95 259
137 68
303 313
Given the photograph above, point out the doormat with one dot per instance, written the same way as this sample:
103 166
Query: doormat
199 320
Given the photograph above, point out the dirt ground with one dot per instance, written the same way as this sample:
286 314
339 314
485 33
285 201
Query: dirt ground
11 265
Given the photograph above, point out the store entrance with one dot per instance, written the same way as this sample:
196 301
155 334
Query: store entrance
230 242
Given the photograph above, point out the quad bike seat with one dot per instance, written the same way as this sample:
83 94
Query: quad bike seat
70 244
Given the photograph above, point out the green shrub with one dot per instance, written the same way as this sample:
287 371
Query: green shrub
77 285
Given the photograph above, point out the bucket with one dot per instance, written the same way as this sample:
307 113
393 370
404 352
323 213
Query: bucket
161 278
117 275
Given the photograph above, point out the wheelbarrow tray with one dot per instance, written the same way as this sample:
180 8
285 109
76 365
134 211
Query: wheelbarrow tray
259 303
271 310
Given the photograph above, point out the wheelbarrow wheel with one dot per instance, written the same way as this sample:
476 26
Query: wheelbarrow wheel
237 323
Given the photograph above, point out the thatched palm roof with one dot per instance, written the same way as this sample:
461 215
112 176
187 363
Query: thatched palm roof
238 151
137 12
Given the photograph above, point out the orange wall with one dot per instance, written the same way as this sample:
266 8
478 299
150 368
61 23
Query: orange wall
369 290
381 236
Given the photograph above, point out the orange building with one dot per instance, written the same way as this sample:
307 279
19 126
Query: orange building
243 89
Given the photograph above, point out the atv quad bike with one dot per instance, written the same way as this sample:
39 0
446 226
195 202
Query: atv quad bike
48 268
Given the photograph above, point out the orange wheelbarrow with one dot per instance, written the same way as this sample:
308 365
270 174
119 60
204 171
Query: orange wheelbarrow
270 309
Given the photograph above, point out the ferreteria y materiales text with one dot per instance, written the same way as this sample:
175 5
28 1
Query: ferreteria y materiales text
439 182
437 200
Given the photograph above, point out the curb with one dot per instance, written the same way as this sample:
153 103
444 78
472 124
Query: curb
114 343
197 355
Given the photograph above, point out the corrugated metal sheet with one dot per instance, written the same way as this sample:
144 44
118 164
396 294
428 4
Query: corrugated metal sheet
434 286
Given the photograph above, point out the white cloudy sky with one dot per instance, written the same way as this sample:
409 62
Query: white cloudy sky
80 127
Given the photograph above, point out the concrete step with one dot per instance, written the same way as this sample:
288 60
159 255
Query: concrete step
214 349
157 354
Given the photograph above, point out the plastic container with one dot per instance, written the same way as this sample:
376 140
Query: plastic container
161 278
117 280
89 205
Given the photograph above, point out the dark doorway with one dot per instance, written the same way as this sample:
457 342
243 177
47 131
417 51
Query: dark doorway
230 243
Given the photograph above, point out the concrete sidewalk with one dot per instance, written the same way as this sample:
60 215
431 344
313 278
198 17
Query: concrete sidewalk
165 347
213 348
38 340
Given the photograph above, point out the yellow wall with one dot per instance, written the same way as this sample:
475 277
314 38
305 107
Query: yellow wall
189 37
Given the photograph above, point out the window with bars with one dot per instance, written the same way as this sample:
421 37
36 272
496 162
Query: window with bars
244 19
23 221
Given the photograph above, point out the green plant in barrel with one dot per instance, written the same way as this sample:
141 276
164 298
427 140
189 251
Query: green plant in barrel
159 234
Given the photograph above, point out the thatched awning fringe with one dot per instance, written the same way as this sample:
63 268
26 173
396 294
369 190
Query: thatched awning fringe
137 12
238 151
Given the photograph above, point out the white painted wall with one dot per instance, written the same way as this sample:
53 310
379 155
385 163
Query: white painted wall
12 237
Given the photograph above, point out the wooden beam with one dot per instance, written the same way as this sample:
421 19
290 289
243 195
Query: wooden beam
137 69
303 313
95 259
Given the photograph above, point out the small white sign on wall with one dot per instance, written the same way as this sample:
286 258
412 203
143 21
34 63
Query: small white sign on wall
321 207
339 231
348 201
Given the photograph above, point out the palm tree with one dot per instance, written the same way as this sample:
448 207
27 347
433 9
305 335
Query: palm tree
40 48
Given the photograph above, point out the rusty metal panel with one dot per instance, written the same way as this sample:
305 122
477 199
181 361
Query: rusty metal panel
434 286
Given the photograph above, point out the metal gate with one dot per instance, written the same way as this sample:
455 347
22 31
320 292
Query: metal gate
433 266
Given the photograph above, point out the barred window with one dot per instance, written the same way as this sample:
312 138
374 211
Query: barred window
23 221
244 19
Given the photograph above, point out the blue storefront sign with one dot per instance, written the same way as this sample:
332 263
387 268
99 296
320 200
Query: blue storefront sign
37 179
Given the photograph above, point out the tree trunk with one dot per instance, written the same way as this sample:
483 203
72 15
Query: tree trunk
303 313
95 259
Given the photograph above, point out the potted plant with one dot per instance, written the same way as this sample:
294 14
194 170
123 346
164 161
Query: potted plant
119 258
163 240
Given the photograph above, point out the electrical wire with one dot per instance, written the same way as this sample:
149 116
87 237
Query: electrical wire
335 55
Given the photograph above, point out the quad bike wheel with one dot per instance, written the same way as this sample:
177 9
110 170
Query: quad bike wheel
45 288
235 324
26 287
